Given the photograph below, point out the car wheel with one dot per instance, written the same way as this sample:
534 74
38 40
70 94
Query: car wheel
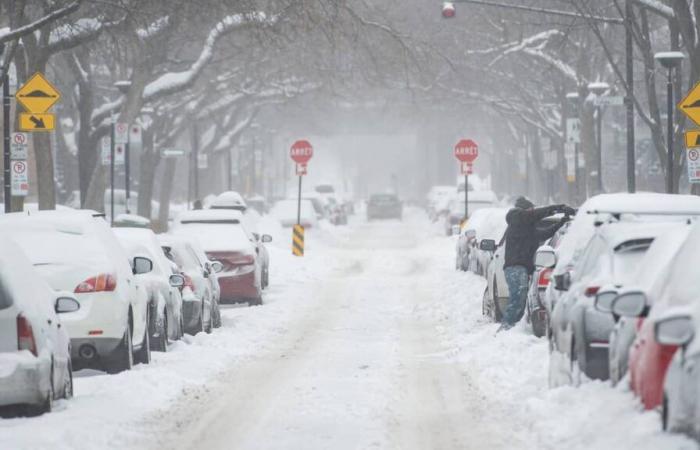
199 326
68 386
217 317
143 355
664 413
123 358
485 310
539 325
159 335
497 315
256 301
575 367
210 325
47 405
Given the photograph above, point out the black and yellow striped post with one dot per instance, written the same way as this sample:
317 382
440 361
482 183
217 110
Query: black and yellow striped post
298 240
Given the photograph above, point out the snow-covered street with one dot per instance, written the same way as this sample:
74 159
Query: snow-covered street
372 340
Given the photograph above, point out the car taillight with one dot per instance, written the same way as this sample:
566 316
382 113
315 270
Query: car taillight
545 276
25 335
188 282
591 291
104 282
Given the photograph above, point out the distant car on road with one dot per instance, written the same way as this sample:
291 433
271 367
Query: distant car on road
384 206
34 347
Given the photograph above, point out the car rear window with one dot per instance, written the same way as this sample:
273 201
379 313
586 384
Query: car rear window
383 199
55 247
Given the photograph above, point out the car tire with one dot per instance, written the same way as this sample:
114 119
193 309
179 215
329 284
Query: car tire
575 368
664 413
68 384
143 355
47 405
210 325
123 358
217 317
159 336
256 301
485 310
199 326
539 326
497 315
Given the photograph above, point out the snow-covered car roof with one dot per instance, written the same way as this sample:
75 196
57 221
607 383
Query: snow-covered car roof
599 208
618 233
682 285
210 216
228 199
488 223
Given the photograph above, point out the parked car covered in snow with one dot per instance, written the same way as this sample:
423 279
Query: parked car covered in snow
491 227
653 269
454 213
224 238
161 285
286 212
199 304
579 333
229 200
35 359
77 252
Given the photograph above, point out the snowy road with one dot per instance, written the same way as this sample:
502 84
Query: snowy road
371 341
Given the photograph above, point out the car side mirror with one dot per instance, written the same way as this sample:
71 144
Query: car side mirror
266 238
456 230
256 236
470 234
562 281
604 301
545 257
66 305
487 245
217 267
674 330
177 280
630 304
142 265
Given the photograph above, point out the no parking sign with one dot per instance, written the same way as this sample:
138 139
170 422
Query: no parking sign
693 155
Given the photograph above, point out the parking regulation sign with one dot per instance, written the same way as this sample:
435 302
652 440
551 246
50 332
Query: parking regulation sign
693 155
18 146
19 178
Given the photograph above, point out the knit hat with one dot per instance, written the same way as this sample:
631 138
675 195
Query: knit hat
523 203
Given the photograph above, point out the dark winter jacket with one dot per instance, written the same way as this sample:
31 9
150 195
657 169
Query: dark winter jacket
524 234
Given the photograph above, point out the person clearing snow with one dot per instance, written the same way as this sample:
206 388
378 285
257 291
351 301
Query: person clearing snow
523 236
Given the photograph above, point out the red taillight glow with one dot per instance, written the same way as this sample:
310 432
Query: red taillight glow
591 291
104 282
188 282
545 276
25 335
95 332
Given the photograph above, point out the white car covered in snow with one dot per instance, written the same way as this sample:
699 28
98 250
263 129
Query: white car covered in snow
77 252
35 365
162 285
286 212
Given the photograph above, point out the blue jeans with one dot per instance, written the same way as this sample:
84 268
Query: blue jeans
518 281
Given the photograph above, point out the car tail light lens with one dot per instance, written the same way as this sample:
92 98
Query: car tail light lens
188 282
545 276
25 335
104 282
591 291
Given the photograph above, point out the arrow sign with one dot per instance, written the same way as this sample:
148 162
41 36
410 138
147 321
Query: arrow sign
466 150
301 152
690 105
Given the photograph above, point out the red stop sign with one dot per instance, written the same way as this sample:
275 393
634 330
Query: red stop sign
466 150
301 152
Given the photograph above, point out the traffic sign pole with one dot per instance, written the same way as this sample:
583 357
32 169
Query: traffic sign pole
466 196
126 176
111 175
6 139
299 202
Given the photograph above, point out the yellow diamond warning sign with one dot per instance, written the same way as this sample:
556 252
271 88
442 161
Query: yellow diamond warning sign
692 138
37 122
37 95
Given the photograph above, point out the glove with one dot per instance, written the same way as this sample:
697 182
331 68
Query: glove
569 211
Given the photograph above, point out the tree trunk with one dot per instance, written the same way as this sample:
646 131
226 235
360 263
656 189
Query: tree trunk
166 190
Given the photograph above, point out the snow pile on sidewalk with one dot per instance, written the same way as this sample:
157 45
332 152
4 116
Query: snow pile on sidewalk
510 370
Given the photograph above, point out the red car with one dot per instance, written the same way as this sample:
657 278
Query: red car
224 238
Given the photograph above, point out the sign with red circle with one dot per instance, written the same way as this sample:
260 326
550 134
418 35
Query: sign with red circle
693 154
301 152
466 150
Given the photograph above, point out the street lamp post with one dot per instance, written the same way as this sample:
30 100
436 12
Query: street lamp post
670 61
572 99
626 21
599 88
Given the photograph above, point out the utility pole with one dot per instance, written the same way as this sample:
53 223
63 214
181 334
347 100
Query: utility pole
195 160
111 172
